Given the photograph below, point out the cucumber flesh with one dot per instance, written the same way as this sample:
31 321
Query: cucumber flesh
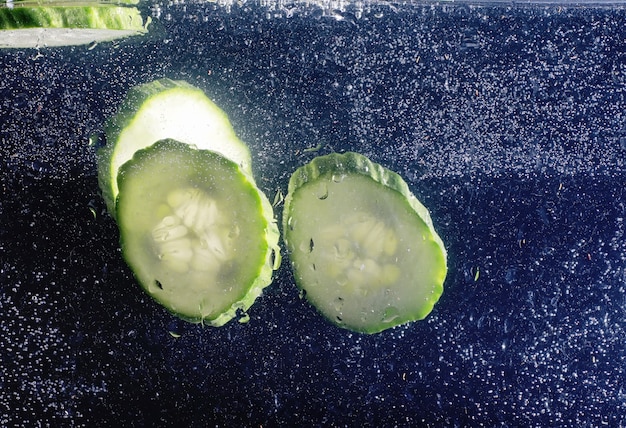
196 231
165 109
362 247
32 25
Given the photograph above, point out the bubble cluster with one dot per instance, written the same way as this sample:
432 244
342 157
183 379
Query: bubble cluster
38 370
508 123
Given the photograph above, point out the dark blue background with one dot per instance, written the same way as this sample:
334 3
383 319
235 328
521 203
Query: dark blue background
508 122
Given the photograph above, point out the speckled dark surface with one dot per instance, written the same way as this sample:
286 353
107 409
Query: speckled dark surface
508 123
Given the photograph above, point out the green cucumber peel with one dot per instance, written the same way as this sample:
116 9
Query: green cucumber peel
66 23
198 234
363 248
163 109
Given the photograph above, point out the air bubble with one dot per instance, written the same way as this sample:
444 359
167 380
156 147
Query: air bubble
338 178
391 314
322 191
307 246
234 231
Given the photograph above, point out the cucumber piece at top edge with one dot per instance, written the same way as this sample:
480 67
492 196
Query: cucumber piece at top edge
57 23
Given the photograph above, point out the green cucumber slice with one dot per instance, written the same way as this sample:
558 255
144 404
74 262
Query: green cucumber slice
196 231
362 247
165 109
66 23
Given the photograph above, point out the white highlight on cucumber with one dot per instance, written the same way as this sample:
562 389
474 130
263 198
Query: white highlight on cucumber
195 235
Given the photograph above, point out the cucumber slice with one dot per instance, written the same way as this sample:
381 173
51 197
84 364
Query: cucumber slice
363 248
66 23
196 231
165 109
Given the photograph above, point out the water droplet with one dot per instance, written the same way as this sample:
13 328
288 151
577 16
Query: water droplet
391 314
343 249
322 191
338 304
338 178
307 246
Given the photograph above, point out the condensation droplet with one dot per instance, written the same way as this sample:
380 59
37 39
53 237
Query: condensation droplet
322 191
391 314
338 178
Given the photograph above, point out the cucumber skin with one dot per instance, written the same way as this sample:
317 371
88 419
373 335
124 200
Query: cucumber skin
135 99
272 256
68 16
264 279
355 163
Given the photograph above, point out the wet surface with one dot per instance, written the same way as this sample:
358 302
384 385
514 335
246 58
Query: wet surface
508 123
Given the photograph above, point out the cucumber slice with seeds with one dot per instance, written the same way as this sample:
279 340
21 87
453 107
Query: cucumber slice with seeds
164 109
25 24
196 231
363 248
